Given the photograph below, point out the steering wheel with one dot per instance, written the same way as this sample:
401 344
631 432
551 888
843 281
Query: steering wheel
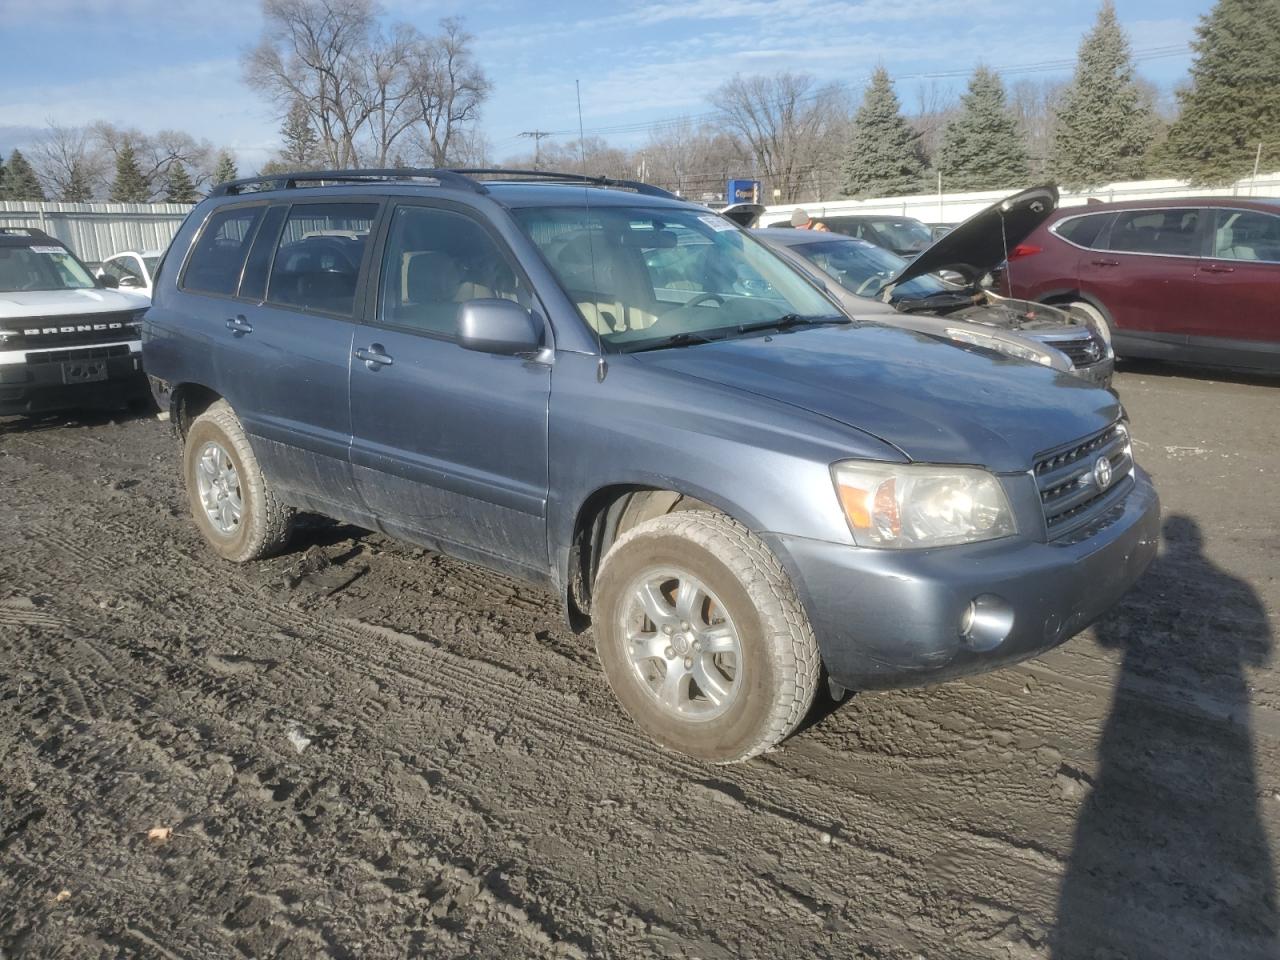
863 288
702 298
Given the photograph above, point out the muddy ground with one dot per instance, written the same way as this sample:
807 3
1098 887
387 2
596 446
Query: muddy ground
363 750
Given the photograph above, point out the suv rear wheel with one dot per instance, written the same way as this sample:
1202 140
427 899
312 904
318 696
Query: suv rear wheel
703 638
231 501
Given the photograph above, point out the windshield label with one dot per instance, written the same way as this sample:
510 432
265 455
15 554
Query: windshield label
718 224
46 250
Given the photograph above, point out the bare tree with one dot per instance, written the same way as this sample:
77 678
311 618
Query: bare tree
1035 105
390 88
935 108
315 52
790 125
156 152
450 88
69 162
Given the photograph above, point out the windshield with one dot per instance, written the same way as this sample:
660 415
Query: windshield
864 269
41 268
646 275
903 234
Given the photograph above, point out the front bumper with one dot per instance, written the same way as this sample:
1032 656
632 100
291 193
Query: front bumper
1100 373
40 381
892 618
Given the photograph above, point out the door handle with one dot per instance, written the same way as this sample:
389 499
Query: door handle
374 356
1105 263
1216 268
239 325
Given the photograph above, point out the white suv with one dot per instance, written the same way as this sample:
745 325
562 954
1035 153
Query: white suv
66 340
133 271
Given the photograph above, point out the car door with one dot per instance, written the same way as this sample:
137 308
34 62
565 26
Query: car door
1240 279
289 340
449 445
1147 272
124 272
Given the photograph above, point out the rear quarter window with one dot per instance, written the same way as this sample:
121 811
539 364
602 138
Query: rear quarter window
1084 231
219 254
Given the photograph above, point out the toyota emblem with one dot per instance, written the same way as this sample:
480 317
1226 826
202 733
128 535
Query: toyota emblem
1102 473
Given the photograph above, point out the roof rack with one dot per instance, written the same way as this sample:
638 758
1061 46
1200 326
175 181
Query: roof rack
291 181
638 186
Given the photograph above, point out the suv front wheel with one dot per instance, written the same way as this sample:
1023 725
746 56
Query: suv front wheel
703 638
231 500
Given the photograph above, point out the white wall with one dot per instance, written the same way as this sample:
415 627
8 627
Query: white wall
955 207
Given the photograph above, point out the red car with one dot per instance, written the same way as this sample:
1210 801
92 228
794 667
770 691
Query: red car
1193 280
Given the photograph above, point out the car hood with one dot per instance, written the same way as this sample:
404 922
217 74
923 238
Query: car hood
19 304
981 243
935 401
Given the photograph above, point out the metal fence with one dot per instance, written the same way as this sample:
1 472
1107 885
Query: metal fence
955 207
96 231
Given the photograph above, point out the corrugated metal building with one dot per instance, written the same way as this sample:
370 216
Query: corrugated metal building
95 231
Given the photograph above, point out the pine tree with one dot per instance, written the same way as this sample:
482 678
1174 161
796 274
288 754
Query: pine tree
299 149
982 148
1233 102
884 158
225 170
2 193
178 185
78 189
1104 126
130 186
20 180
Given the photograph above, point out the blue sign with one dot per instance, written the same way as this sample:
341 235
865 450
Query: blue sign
742 191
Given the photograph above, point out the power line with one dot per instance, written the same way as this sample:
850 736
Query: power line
537 136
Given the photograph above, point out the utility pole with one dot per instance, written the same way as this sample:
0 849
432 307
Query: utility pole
537 137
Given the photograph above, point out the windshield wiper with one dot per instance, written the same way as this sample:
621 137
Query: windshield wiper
675 340
789 321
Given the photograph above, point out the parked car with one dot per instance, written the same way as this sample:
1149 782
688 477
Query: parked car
876 284
905 236
1194 280
598 387
940 230
130 270
65 342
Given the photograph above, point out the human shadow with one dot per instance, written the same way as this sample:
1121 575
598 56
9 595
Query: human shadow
1170 858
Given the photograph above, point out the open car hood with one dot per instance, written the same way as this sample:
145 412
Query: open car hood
743 214
981 243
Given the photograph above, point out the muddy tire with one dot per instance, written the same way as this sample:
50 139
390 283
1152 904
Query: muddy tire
231 501
702 637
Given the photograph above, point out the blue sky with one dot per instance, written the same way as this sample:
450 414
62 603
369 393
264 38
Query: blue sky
174 63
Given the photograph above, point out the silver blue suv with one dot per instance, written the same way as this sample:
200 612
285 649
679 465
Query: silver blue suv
598 387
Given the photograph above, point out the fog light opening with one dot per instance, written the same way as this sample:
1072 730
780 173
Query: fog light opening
986 622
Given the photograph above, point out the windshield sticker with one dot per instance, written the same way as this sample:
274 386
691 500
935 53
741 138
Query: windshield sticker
47 250
718 224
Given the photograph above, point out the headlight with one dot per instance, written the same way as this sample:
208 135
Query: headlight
1022 351
910 505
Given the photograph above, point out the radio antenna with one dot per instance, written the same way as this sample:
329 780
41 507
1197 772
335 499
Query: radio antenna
602 366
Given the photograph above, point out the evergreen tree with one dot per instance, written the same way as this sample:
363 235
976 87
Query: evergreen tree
1104 125
2 193
982 148
130 186
78 189
178 185
1233 102
299 149
20 180
884 158
225 170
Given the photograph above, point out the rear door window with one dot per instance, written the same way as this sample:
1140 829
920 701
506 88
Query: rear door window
1246 235
317 262
220 252
1084 231
1174 232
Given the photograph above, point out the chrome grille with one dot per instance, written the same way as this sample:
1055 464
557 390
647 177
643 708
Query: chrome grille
1083 351
1070 479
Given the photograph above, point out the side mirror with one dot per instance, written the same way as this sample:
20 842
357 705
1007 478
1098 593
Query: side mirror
108 281
501 327
131 283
